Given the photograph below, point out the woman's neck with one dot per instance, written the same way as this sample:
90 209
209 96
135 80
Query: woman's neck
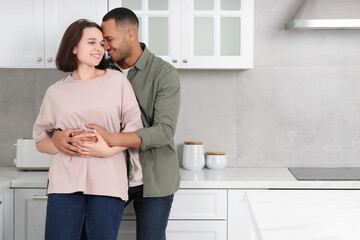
83 73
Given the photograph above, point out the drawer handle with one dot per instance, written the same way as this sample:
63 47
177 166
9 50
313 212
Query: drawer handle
0 202
39 197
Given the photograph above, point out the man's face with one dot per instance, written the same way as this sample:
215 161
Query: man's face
116 41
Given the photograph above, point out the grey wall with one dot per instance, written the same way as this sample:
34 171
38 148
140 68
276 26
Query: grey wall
298 106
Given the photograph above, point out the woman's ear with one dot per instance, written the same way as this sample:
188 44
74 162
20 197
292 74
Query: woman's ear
74 50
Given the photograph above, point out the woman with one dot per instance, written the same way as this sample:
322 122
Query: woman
86 191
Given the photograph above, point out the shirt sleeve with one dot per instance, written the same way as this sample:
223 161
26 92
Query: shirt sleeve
130 111
166 111
45 121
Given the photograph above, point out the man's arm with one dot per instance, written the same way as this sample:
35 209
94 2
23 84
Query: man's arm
165 113
125 139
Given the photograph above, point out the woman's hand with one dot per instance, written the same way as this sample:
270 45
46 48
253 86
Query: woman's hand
105 134
97 149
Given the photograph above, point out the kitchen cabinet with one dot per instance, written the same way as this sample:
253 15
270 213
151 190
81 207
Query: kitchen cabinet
306 214
196 34
241 223
195 215
30 213
6 214
2 216
35 28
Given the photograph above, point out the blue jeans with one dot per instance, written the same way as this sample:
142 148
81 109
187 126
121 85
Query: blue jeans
152 214
68 214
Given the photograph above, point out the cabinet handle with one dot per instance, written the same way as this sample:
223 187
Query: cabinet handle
49 59
174 60
39 59
185 61
39 197
0 202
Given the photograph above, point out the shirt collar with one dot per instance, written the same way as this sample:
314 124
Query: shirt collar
141 62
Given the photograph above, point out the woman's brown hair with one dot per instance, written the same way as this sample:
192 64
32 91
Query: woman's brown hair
66 60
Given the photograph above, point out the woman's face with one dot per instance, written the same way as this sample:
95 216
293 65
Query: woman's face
90 48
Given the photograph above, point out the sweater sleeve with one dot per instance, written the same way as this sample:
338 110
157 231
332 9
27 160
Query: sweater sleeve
45 122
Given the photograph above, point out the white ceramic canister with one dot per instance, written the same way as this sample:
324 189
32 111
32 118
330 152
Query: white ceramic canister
193 156
216 160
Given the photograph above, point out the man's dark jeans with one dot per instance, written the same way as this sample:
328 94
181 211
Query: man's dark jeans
152 214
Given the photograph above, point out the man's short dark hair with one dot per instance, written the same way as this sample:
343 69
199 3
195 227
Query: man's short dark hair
66 60
122 16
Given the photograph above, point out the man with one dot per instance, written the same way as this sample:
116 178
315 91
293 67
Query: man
157 88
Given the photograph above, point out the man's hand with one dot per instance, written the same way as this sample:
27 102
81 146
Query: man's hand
84 136
63 141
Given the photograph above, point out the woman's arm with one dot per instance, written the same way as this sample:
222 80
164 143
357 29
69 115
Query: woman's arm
99 148
46 146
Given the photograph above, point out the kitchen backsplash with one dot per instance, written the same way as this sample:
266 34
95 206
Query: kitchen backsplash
298 106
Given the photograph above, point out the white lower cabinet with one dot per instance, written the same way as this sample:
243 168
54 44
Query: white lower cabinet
30 212
181 230
2 216
195 215
241 223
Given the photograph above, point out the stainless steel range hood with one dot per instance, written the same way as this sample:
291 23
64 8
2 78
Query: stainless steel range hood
326 14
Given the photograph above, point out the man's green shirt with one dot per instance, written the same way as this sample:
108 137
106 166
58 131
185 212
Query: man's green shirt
157 88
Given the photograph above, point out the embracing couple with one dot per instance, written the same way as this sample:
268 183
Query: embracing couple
110 126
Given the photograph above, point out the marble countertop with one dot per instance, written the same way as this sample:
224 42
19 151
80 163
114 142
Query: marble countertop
228 178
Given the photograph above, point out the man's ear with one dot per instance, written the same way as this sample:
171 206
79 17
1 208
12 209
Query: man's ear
132 34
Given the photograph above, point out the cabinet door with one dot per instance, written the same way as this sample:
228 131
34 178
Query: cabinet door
180 230
159 26
30 212
22 39
307 214
8 205
59 14
241 223
217 34
2 216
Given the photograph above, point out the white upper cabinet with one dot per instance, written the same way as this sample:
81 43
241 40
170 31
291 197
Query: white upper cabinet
196 34
22 38
34 28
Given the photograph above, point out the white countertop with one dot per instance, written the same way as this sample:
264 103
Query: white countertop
228 178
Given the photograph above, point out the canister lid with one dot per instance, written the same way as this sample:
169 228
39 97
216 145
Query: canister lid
216 153
193 143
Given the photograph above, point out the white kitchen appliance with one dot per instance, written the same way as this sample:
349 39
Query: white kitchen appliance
29 158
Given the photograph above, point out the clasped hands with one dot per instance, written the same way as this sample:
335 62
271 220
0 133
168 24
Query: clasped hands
87 143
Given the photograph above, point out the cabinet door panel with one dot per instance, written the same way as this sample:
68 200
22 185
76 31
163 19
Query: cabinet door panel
2 216
30 213
306 214
217 34
59 14
194 204
180 230
22 44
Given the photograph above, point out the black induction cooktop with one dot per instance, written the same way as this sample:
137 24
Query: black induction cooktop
326 174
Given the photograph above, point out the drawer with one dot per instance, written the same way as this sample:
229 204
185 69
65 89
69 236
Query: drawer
194 204
180 230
